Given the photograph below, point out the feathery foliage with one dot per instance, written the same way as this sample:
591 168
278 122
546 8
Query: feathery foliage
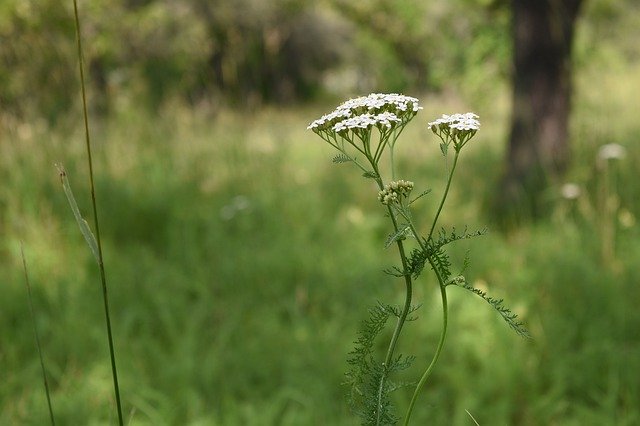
342 158
366 374
402 233
360 358
509 317
435 252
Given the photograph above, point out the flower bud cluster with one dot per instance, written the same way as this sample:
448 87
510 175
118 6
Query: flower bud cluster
394 191
458 128
363 113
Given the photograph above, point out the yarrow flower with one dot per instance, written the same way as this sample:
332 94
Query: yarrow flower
377 109
456 128
394 191
467 121
353 121
366 121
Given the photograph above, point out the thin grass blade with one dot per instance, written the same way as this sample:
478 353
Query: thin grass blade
37 336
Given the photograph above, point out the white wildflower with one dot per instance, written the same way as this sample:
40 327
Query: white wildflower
570 191
328 120
376 109
363 121
464 122
387 119
612 151
456 128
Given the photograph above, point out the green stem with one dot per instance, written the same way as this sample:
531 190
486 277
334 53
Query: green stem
103 278
434 360
401 320
444 196
393 168
407 302
443 294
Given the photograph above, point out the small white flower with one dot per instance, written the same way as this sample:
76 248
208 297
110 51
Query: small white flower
570 191
612 151
363 121
328 120
464 122
456 128
387 119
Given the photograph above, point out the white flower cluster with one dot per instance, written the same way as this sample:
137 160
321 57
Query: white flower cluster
366 121
456 128
461 122
394 190
377 109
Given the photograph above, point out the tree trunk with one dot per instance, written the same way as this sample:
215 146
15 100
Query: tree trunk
538 150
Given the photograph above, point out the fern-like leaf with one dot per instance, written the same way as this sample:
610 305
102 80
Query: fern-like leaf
397 311
362 366
395 272
441 263
342 158
510 318
422 194
434 251
376 412
399 235
370 174
368 398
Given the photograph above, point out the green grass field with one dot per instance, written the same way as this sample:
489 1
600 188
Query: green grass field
241 262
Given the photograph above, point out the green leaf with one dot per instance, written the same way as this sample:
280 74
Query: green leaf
369 395
370 174
84 226
443 148
399 235
510 318
435 252
342 158
422 194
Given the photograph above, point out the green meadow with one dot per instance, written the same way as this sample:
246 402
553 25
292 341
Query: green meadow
241 262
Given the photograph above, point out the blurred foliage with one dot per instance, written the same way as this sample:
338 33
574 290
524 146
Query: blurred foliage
245 50
253 51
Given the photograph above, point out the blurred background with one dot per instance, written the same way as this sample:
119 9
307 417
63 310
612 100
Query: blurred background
241 261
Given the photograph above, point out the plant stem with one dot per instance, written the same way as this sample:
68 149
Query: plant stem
103 278
401 320
443 295
434 360
407 302
444 196
35 331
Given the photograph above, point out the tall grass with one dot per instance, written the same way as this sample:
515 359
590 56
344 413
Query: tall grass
94 243
37 337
